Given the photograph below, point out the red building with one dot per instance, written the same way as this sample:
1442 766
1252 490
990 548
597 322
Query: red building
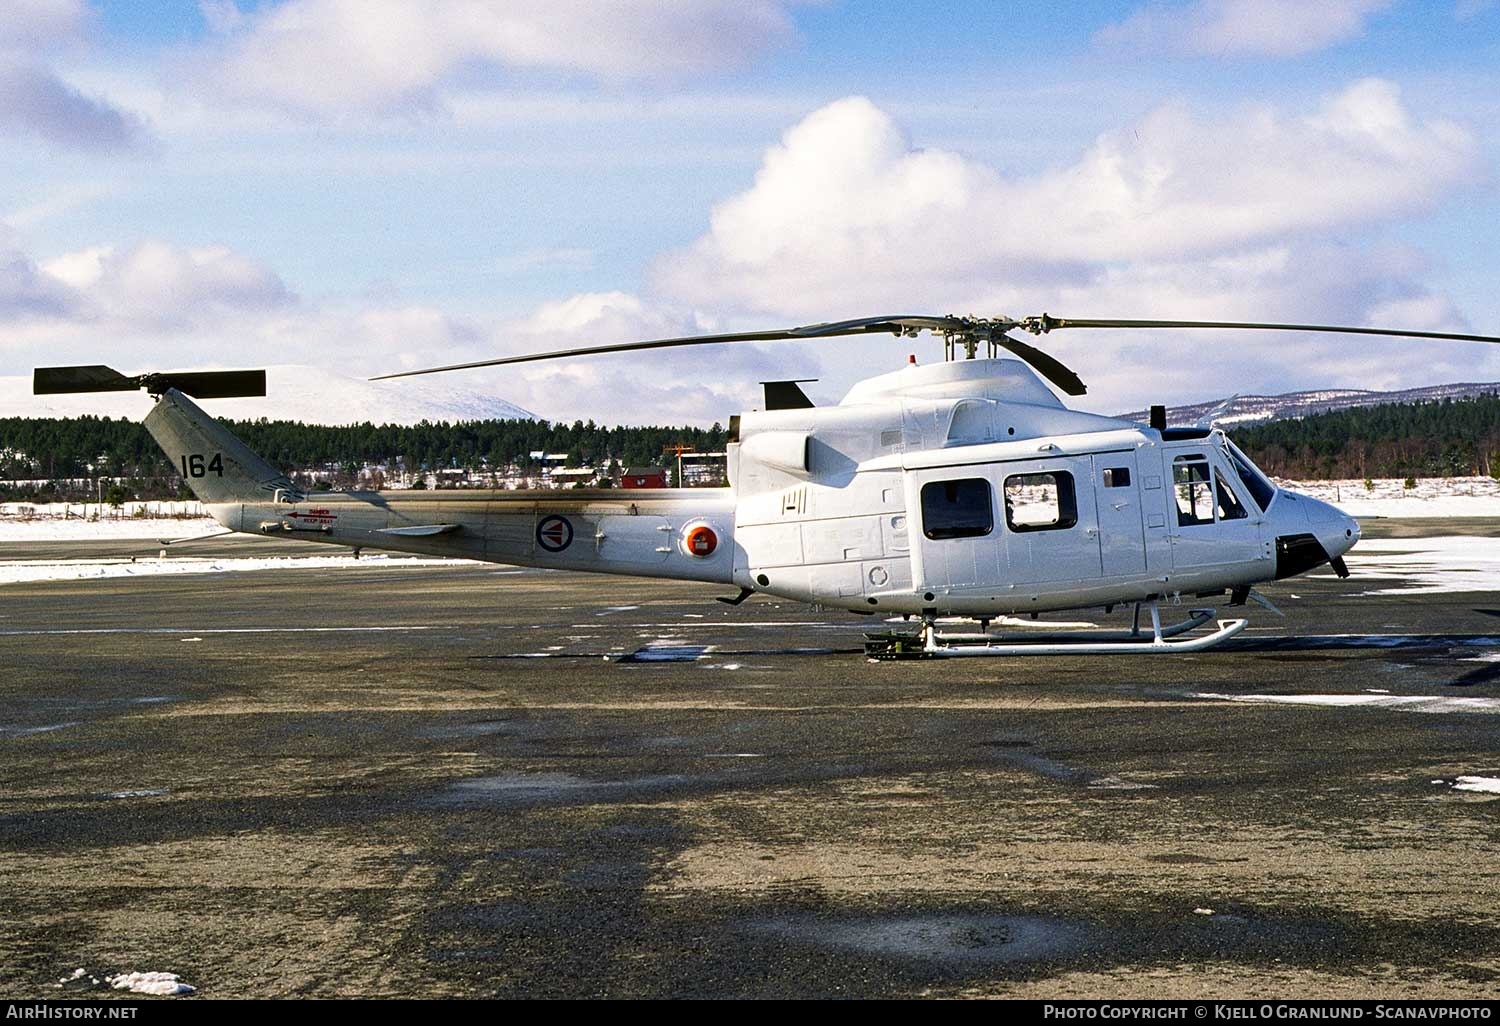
644 477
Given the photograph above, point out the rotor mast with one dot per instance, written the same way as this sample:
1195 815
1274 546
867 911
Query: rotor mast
969 332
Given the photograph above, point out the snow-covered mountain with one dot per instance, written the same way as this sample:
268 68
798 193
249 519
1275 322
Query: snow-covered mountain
308 394
1250 409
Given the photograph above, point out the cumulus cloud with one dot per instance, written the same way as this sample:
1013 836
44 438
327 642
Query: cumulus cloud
652 387
31 24
670 386
1307 282
399 55
159 285
29 293
34 101
1182 216
1270 28
845 214
156 305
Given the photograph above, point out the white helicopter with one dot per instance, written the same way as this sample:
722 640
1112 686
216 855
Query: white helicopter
958 489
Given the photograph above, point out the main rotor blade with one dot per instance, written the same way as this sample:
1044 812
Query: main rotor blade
621 347
863 326
897 325
1048 367
1043 324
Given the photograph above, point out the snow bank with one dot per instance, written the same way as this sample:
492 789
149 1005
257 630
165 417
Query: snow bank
1388 497
80 521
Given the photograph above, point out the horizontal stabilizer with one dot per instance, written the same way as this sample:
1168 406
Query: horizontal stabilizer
424 531
199 384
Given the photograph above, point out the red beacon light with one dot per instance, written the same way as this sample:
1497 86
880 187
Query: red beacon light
701 541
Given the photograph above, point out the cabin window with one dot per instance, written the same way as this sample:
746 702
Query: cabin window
957 509
1193 485
1117 477
1041 502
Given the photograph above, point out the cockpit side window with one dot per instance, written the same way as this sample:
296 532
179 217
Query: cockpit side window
1230 507
1192 485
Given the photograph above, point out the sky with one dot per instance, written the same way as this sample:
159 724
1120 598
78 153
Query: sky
366 186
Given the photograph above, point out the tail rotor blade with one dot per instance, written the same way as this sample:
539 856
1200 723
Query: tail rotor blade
219 384
96 378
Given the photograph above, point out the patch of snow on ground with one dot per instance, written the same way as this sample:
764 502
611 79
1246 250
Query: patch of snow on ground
1489 785
1449 563
73 570
14 731
1114 783
21 529
1406 703
160 984
669 650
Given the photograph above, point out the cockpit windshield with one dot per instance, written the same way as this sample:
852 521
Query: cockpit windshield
1256 483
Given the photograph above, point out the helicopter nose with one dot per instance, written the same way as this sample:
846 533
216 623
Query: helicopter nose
1309 533
1336 530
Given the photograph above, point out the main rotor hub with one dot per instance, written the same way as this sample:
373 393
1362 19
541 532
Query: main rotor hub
969 332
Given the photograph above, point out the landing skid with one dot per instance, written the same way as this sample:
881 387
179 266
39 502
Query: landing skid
930 643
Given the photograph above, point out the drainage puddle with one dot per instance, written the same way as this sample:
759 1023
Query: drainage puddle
966 942
952 940
657 652
527 788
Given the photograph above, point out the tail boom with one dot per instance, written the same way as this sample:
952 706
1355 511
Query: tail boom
682 534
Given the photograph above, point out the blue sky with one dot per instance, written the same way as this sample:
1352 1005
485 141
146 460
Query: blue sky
367 185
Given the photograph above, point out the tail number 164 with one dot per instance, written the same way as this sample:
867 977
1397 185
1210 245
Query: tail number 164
193 465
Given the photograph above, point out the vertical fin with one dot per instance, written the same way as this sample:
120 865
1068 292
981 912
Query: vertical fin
216 465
